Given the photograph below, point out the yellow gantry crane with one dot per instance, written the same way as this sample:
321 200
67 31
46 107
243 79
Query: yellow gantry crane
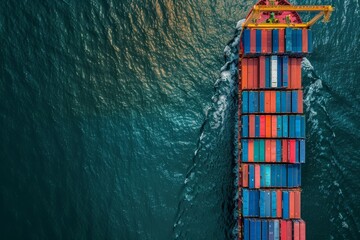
252 20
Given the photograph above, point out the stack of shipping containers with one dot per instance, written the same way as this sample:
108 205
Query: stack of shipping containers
271 133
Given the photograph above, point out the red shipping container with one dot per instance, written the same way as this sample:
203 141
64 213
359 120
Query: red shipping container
264 37
298 76
245 175
268 150
297 204
257 176
290 74
292 151
251 126
291 204
269 41
262 126
251 150
274 126
273 151
278 203
302 230
300 102
273 101
281 40
256 73
268 126
262 72
250 73
244 73
284 150
296 230
283 230
289 230
305 47
252 41
267 96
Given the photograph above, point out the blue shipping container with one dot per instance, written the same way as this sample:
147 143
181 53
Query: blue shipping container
267 204
262 175
285 204
278 149
303 131
298 127
283 102
294 102
262 101
257 126
271 230
262 204
258 229
285 70
275 41
299 40
302 151
279 126
245 126
276 230
273 204
288 37
283 175
252 229
258 41
256 101
246 41
256 149
264 230
267 176
244 148
245 102
267 72
285 128
292 126
288 101
251 102
279 72
278 175
278 102
245 202
294 41
251 176
246 229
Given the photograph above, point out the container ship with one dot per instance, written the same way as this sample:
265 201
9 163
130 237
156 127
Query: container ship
272 134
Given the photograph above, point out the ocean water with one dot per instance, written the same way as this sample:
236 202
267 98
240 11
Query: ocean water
118 120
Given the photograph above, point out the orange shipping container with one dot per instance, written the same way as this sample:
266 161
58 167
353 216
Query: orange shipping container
250 73
298 76
284 150
264 37
278 204
244 73
305 47
302 230
274 126
262 71
281 40
267 101
273 151
291 204
289 230
273 102
257 176
268 126
262 126
256 73
297 204
251 126
300 102
251 150
296 230
245 175
268 150
252 41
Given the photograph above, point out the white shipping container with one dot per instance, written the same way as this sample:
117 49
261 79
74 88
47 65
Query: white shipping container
274 75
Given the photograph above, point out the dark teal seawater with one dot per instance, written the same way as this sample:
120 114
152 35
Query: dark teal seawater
116 124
